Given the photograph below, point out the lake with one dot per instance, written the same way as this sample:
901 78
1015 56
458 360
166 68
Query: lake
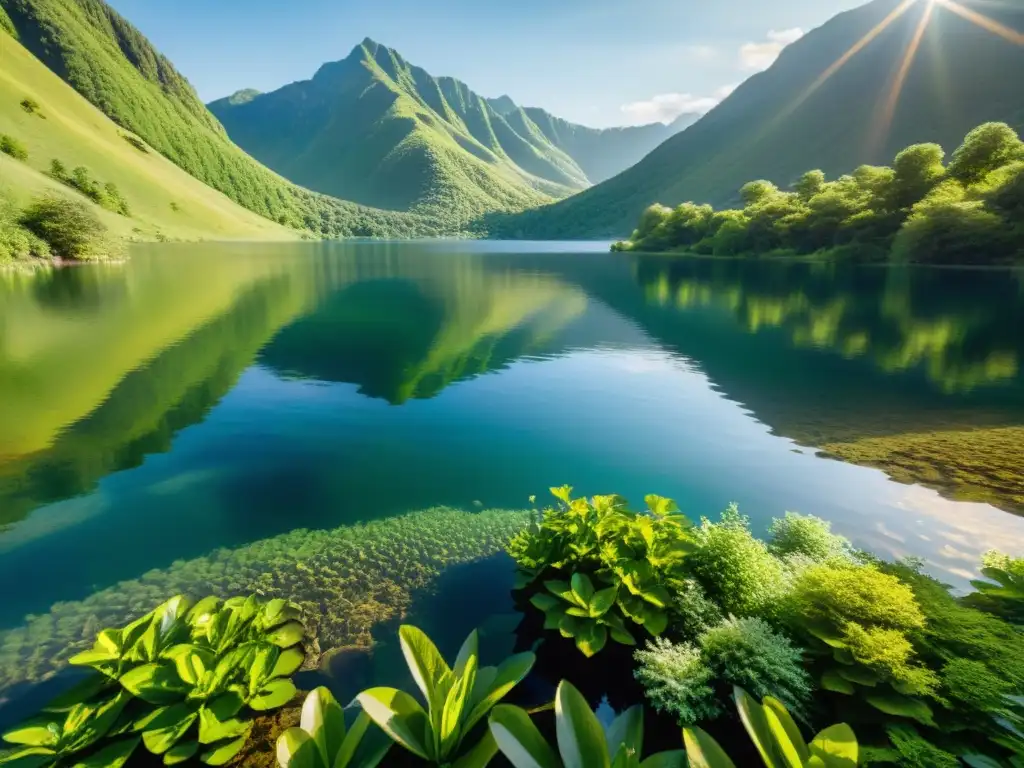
170 423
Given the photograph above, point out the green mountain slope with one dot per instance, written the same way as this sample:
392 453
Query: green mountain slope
375 129
786 120
113 66
605 152
163 200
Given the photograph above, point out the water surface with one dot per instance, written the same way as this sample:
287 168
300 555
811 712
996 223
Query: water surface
206 397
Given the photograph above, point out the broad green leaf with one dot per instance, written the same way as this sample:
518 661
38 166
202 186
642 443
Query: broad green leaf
180 752
109 640
224 752
827 635
754 720
112 755
225 706
903 706
32 757
454 707
553 618
88 723
582 588
627 730
264 658
274 694
399 715
581 739
591 639
703 751
676 758
470 647
485 677
778 716
40 731
659 505
581 613
563 494
508 675
545 602
92 658
563 590
296 749
324 720
520 740
154 683
980 761
836 747
213 729
656 621
833 681
168 728
286 635
201 612
353 741
784 748
193 664
425 662
859 675
657 596
603 600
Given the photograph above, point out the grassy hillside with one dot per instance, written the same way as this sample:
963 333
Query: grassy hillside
375 129
164 201
113 66
785 120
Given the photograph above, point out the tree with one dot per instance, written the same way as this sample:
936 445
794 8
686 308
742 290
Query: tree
754 192
918 169
69 226
986 148
810 184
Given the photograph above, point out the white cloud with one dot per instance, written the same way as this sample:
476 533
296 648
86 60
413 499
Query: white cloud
760 56
666 107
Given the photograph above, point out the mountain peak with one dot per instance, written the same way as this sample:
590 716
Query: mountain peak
503 105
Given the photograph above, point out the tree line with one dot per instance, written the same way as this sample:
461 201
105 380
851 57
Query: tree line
921 209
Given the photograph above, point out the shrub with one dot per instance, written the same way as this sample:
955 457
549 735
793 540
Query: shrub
676 680
68 226
16 242
692 611
809 536
736 569
31 106
748 653
58 170
12 147
136 142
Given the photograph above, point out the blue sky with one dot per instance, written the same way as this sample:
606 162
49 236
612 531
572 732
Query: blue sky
596 62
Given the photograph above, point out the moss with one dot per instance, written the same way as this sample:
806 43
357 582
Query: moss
966 465
347 581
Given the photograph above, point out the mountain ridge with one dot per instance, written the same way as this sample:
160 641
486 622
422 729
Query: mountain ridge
782 122
377 129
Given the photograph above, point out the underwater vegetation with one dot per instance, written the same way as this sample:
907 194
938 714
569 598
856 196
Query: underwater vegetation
345 581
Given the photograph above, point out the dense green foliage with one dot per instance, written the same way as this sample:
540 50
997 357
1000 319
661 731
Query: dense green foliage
11 147
178 679
918 210
16 242
69 227
886 646
457 698
112 65
790 118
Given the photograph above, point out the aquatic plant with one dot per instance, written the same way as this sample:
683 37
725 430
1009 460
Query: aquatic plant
323 741
457 698
178 679
346 581
777 738
692 680
617 565
582 741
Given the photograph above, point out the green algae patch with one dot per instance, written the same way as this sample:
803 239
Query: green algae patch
965 465
347 581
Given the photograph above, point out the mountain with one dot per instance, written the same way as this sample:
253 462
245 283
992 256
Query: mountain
111 64
163 200
378 130
792 118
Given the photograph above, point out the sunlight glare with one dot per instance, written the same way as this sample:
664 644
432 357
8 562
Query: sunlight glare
983 21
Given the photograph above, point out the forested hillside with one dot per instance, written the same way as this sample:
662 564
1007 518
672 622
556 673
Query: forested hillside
111 64
807 111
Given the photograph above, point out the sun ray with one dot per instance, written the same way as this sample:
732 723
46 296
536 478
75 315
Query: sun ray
983 21
884 121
